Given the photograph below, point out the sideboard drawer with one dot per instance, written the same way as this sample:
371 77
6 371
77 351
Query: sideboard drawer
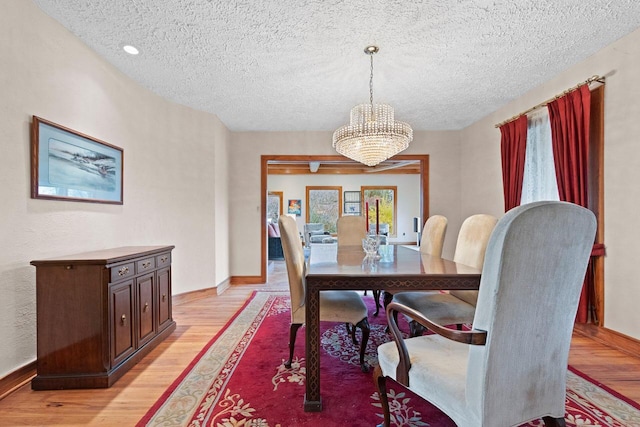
163 260
145 265
122 271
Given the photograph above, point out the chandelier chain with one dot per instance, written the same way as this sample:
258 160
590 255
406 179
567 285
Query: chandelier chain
371 82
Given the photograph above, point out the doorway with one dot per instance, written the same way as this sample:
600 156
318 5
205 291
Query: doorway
296 164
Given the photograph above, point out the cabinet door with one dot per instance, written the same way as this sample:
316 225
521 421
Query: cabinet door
121 309
164 295
146 293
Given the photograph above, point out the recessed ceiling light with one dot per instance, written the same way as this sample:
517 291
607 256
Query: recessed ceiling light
131 50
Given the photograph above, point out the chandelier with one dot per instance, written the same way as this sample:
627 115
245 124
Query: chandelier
372 135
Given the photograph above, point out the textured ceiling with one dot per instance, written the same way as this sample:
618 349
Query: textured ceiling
292 65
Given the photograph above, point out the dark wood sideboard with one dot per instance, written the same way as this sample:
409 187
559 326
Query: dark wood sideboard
99 313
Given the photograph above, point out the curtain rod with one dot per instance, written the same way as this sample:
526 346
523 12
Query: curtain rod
596 78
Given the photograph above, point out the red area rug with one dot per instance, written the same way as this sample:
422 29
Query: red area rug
239 379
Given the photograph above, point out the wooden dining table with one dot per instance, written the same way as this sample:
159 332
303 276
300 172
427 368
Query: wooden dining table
396 268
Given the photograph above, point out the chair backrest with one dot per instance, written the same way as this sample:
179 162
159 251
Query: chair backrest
473 238
433 232
294 260
351 230
529 291
471 246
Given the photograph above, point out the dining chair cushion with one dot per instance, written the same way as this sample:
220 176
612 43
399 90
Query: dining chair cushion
436 364
442 308
338 306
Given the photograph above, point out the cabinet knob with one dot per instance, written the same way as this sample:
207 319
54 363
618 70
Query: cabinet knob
164 297
146 306
124 270
146 264
163 259
123 319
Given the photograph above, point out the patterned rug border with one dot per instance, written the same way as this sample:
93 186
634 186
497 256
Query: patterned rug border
581 385
604 387
164 397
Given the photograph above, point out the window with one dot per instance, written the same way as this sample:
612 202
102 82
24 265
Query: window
324 205
274 205
386 197
539 180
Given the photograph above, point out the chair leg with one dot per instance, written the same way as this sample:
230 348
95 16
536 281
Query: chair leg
554 422
352 331
381 382
293 330
415 328
387 297
376 297
366 329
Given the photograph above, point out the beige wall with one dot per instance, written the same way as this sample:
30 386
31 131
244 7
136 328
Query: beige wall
175 176
244 177
620 62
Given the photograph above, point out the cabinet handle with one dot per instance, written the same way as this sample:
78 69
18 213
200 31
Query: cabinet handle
146 264
163 259
164 297
124 270
146 306
123 319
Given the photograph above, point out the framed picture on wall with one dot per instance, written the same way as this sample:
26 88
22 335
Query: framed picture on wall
69 165
352 204
295 207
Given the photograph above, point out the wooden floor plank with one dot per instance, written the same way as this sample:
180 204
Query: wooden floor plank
198 321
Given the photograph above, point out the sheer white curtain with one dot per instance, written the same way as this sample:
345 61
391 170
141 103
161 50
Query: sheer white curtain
539 182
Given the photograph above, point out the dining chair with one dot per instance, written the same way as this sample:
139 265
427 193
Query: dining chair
351 229
453 307
511 367
431 243
335 306
433 233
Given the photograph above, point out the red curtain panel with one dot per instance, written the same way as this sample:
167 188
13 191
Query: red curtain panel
513 144
569 117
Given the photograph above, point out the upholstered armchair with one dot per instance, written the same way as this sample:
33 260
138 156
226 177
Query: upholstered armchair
454 307
335 306
314 233
511 368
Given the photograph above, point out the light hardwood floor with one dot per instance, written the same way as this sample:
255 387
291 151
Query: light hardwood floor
198 321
